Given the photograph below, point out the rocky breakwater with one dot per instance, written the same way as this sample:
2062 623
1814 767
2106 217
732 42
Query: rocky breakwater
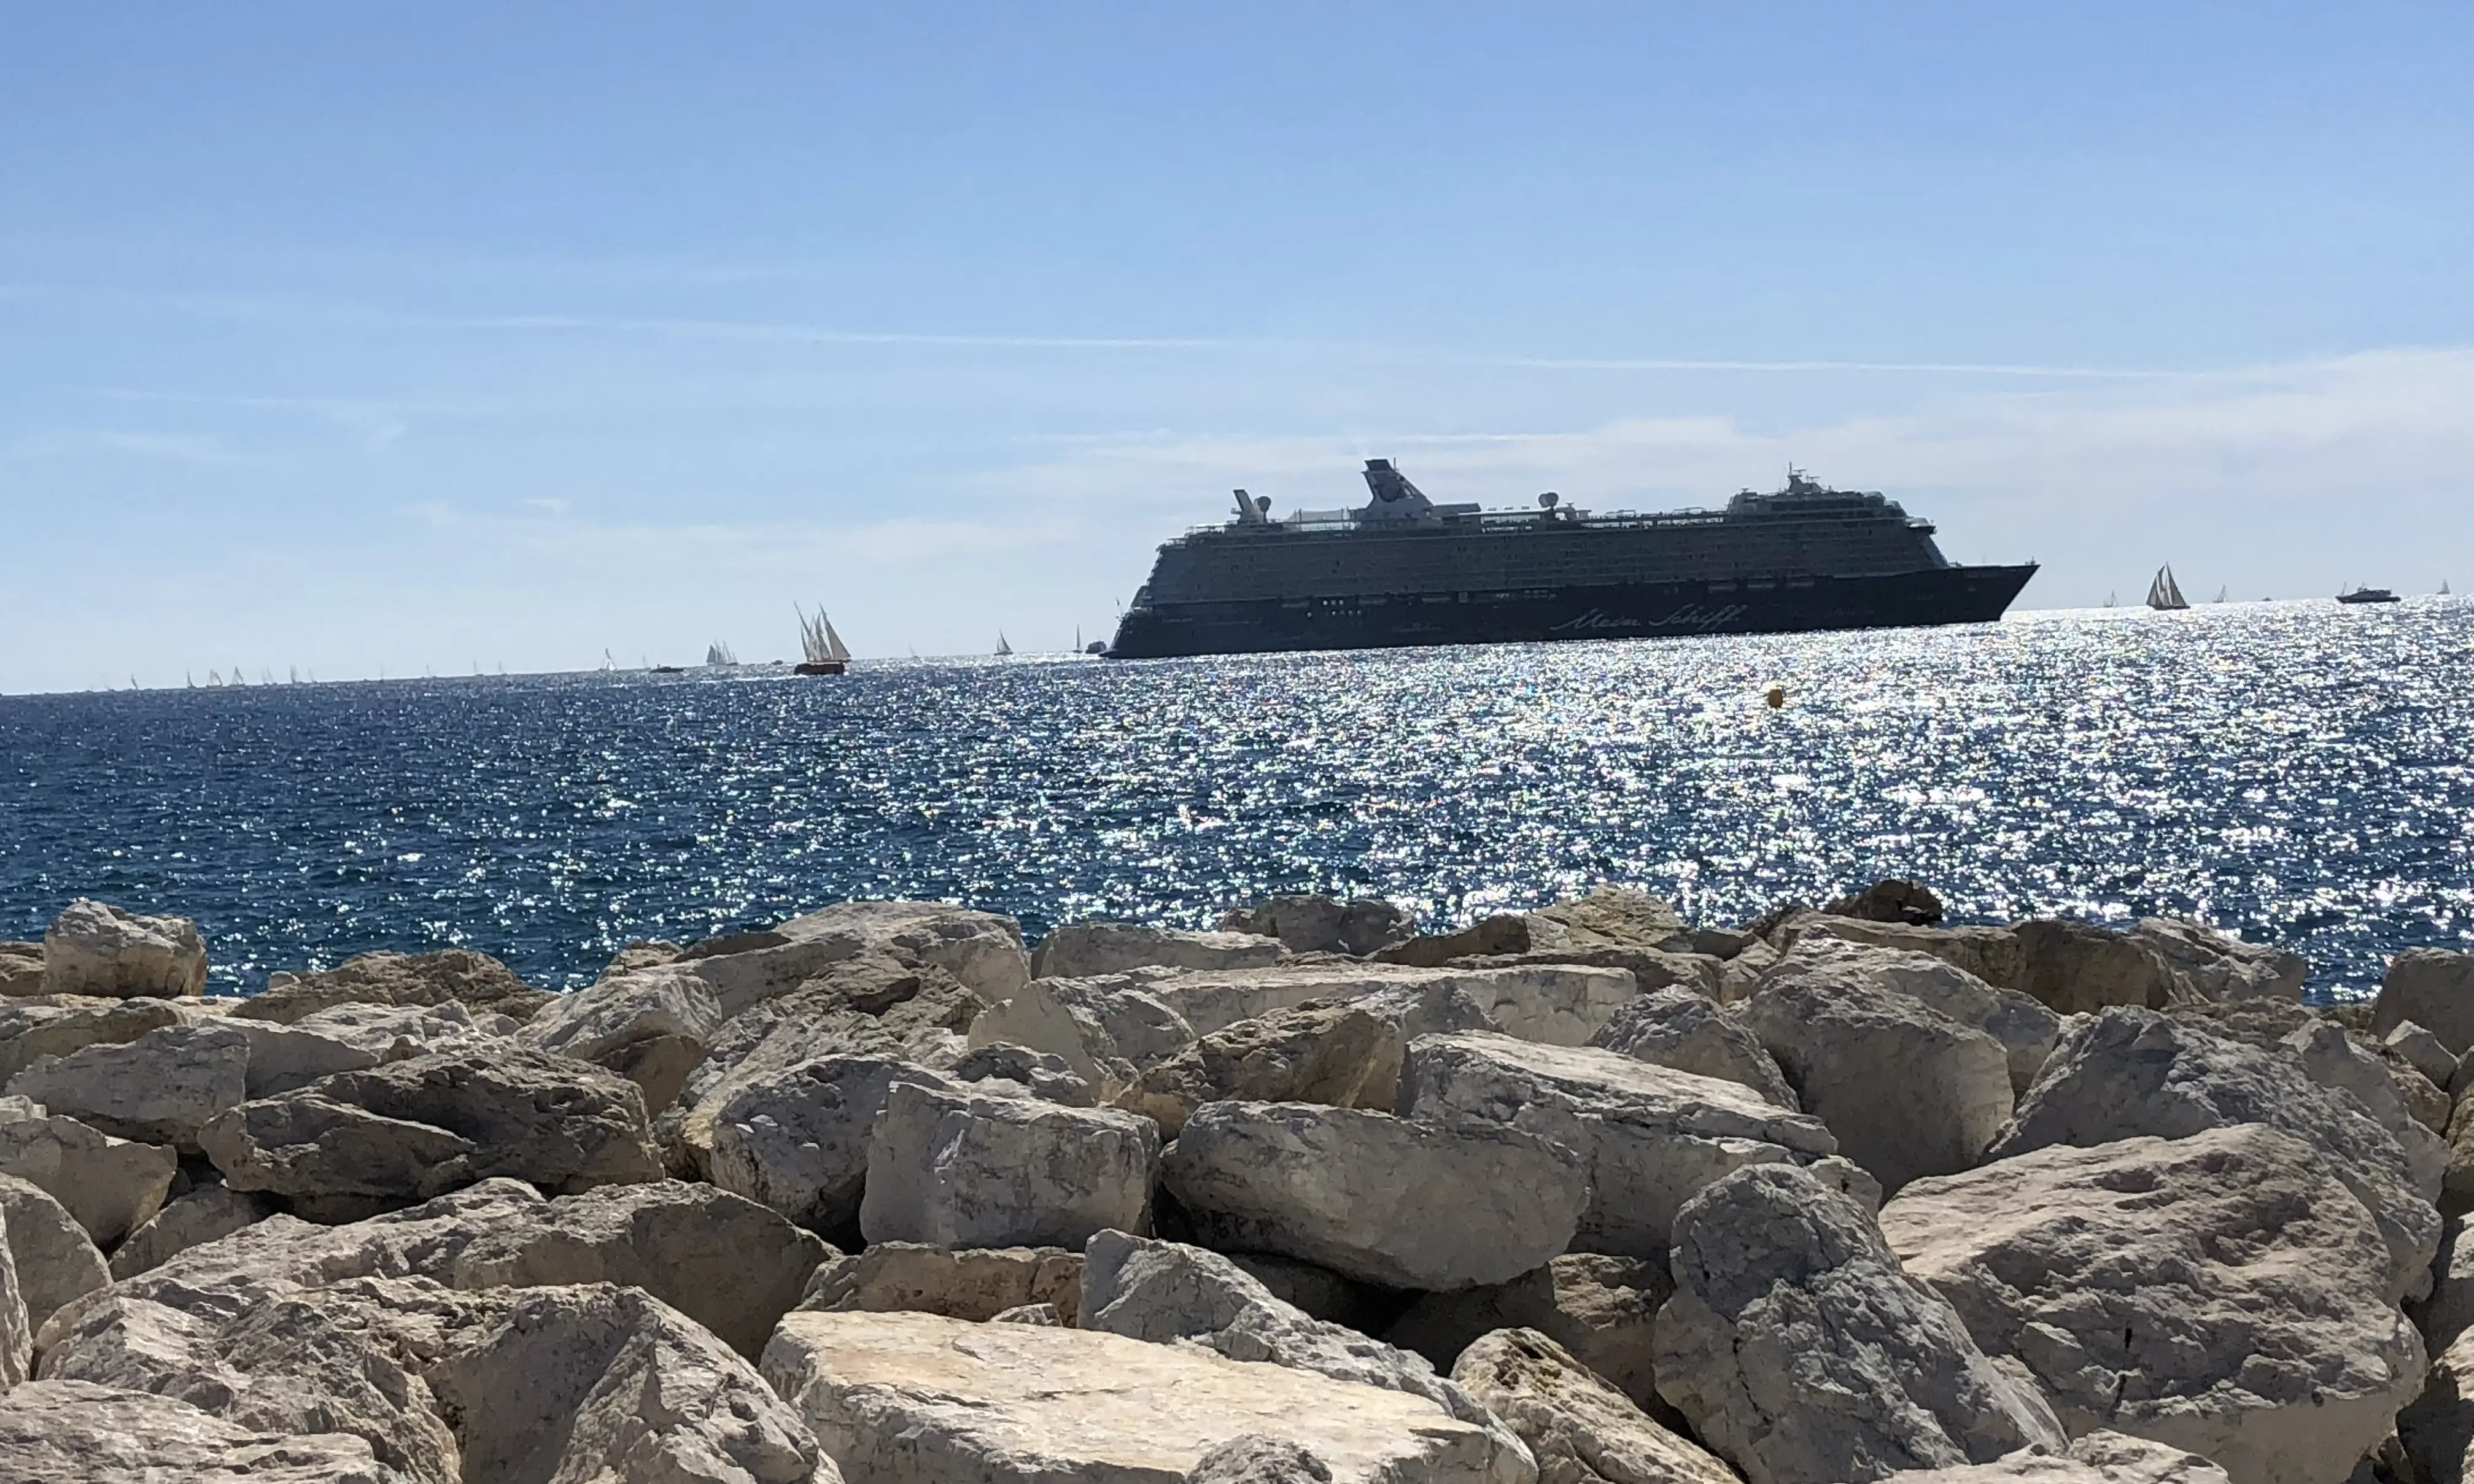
1587 1194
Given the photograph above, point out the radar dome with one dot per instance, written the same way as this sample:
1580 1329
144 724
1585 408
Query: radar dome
1547 500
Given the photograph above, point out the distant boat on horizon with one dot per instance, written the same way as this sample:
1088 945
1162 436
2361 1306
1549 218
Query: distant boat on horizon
1003 647
2220 594
2164 594
2367 595
826 653
718 656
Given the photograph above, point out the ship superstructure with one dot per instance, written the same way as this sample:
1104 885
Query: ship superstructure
1404 570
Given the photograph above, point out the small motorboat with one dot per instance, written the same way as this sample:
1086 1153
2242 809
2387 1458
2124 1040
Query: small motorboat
2367 595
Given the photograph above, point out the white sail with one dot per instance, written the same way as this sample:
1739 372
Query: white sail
2220 594
835 649
2163 592
1003 647
717 653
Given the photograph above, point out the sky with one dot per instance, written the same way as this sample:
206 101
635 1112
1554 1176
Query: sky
362 340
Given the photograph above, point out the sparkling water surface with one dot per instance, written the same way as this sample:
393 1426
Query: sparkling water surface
2296 772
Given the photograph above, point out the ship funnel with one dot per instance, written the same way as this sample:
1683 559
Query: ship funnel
1394 497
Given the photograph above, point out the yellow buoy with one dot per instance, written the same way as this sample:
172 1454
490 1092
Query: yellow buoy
1777 697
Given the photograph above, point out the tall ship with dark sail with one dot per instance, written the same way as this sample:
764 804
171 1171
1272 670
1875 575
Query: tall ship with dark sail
1404 570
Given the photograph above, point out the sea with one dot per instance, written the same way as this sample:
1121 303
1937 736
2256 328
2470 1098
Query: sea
2297 773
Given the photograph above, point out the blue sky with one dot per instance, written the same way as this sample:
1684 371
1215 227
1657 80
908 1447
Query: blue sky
343 339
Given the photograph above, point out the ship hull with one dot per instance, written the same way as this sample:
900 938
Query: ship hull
1944 595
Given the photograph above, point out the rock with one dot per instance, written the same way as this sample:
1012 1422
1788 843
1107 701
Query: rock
1009 1071
649 1026
1802 1355
69 1432
30 1030
2027 1030
2437 1427
642 953
1684 1030
92 948
2098 1458
858 1007
2331 1059
2449 1310
161 1088
2217 1293
55 1262
1080 950
21 969
1320 1291
1168 1292
1107 1030
277 1363
1992 954
1893 901
414 1129
1335 1054
479 982
2422 1051
602 1382
1376 1198
728 1263
2078 967
1045 1315
204 1214
1907 1090
910 1398
1612 917
963 1170
797 1140
1508 933
109 1185
2130 1072
346 1038
2218 966
1649 1136
2433 988
1580 1430
1559 1004
1651 968
1601 1308
973 1283
1259 1459
16 1327
1742 974
980 951
1323 924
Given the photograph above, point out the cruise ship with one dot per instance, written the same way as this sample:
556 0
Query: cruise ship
1402 571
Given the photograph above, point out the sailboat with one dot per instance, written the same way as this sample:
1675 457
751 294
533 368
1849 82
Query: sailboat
2443 587
2108 600
718 655
1003 647
2220 594
826 653
2164 594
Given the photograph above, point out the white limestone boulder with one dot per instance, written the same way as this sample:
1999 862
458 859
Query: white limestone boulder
975 1284
1009 1071
1687 1030
2221 1293
797 1140
481 984
1649 1136
2331 1059
2130 1072
1357 925
920 1399
2026 1028
201 1216
965 1170
70 1432
1170 1292
346 1038
2418 1048
1580 1430
1603 1310
1078 950
110 1185
1337 1054
2437 1427
56 1026
21 969
1558 1004
2098 1458
649 1026
161 1088
2433 988
1107 1029
17 1326
1378 1198
55 1262
1907 1090
1802 1352
394 1135
92 948
982 951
